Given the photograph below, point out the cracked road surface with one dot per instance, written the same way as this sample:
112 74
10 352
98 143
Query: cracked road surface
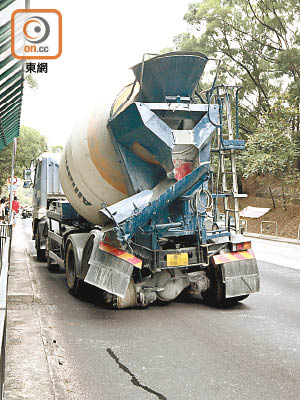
180 351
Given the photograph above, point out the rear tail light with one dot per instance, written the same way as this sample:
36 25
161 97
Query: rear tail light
241 246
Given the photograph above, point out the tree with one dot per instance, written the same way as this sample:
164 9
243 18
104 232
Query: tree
31 82
259 42
271 152
30 145
56 149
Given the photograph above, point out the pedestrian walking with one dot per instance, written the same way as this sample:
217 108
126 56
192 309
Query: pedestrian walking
15 209
6 209
2 210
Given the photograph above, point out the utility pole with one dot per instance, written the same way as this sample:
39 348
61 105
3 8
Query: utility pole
13 159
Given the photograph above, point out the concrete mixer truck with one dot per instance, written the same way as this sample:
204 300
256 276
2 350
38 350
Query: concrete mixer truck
145 178
46 190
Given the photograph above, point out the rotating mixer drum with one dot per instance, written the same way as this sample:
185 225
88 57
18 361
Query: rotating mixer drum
93 170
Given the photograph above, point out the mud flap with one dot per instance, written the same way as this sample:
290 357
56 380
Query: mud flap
108 272
240 277
41 233
78 240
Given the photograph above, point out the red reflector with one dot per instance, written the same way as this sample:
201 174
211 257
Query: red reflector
243 246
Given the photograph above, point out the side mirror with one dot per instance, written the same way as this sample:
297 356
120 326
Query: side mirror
27 174
27 184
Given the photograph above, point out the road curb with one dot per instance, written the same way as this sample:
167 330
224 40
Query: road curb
272 238
33 280
31 347
52 358
18 296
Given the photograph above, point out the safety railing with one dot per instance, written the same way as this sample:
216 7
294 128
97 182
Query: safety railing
268 225
5 248
244 225
5 232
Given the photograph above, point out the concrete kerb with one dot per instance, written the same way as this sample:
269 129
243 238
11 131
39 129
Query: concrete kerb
52 358
22 283
272 238
4 277
33 280
40 369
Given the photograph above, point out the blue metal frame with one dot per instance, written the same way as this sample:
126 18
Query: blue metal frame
146 216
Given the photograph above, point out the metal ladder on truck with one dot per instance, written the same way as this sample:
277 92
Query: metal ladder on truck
228 143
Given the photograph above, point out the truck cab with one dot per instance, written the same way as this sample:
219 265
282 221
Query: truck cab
44 177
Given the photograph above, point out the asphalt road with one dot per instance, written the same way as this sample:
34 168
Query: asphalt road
281 253
180 351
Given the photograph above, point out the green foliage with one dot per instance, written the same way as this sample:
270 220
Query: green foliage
24 195
271 152
56 149
30 145
259 42
271 148
5 166
32 83
166 50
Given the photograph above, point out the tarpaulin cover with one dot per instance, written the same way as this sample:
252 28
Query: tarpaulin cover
254 212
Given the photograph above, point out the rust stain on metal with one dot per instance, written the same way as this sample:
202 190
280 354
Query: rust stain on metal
144 154
111 172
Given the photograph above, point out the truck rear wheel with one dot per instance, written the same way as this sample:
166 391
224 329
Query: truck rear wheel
41 255
73 282
234 300
86 255
216 294
51 266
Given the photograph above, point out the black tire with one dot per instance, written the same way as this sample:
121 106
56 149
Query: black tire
87 291
73 282
86 254
215 295
234 300
41 254
53 268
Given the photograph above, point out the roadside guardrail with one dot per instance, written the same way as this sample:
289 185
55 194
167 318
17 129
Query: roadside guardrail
269 224
244 225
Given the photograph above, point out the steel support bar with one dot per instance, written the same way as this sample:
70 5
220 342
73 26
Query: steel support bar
13 159
54 236
57 259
